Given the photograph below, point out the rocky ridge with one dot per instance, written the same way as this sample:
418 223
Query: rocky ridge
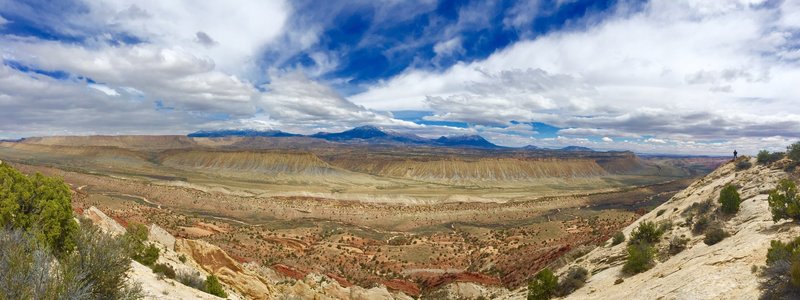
725 270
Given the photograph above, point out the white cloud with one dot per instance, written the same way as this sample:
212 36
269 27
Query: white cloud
237 29
695 70
448 47
3 21
297 101
607 139
105 89
171 75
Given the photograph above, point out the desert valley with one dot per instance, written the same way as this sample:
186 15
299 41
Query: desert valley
362 207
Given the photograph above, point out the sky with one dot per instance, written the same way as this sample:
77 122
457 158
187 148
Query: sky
660 76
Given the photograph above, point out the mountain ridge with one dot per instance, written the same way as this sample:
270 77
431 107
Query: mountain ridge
365 133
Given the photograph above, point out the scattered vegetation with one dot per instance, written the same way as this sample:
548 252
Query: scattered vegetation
618 238
677 244
165 270
144 253
765 157
191 280
640 258
784 201
782 272
730 200
700 226
714 235
646 232
574 279
95 269
543 286
45 254
743 164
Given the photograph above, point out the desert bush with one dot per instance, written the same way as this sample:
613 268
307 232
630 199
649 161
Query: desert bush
212 286
45 254
618 237
40 205
677 244
139 249
765 157
714 235
543 285
781 276
95 269
700 225
699 208
793 152
102 261
164 269
730 200
574 279
664 226
191 280
24 265
743 164
784 202
646 232
640 258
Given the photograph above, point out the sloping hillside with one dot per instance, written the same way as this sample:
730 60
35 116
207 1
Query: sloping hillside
485 169
720 271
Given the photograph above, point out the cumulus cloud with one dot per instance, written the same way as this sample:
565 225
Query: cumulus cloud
171 75
690 70
47 106
297 101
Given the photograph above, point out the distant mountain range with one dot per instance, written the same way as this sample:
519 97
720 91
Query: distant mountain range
372 134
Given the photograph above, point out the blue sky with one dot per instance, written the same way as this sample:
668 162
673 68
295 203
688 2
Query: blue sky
666 76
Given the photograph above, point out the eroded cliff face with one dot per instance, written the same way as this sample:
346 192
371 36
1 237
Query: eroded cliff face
721 271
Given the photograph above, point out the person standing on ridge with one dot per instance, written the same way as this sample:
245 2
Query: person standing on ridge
734 154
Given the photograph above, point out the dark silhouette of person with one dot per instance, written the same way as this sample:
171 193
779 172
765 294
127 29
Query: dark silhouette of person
734 154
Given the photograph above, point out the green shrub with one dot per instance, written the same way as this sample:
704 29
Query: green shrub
182 258
618 237
136 237
781 276
714 235
677 244
646 232
45 254
543 286
764 157
784 202
640 258
574 279
212 286
793 152
730 200
40 205
164 269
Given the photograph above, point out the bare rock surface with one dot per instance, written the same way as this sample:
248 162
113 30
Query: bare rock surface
720 271
103 221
